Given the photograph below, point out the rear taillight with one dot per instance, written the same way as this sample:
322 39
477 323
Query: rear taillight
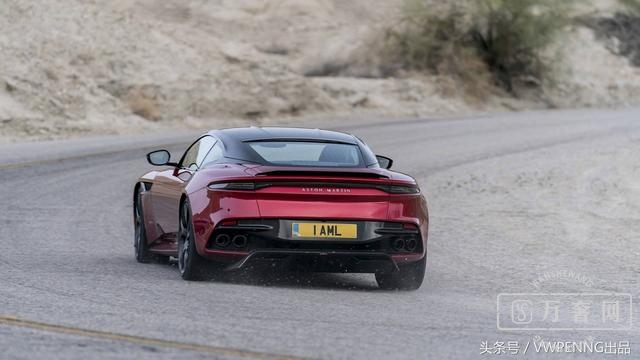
408 226
245 186
250 186
398 189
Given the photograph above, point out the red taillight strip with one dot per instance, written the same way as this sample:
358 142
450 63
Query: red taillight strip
248 186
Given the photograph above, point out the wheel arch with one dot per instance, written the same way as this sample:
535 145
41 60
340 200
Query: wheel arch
184 197
136 189
139 185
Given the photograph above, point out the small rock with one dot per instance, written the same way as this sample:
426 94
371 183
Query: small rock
10 87
359 100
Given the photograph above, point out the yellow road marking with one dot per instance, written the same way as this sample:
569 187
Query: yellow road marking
140 340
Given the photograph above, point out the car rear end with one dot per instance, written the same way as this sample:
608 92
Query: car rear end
316 220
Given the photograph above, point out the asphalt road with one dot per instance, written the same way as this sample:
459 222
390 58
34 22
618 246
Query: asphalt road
512 197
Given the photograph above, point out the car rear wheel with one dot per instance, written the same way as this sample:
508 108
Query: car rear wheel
191 265
409 276
140 245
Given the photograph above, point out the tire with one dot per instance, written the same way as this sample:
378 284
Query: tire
191 265
140 246
409 276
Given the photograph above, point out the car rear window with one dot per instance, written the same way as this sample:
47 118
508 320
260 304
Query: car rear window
305 153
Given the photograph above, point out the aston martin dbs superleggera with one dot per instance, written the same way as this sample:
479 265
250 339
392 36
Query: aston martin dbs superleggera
304 199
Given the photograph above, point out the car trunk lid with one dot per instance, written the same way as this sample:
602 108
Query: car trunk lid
321 193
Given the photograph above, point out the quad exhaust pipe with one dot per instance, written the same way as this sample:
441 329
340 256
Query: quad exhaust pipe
397 244
222 240
239 241
409 244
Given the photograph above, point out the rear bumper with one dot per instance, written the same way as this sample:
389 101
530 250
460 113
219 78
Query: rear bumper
270 241
319 261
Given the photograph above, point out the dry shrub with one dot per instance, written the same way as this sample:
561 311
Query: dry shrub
427 35
624 27
470 39
632 6
434 38
511 35
144 107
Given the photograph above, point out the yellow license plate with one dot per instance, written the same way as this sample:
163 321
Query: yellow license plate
324 230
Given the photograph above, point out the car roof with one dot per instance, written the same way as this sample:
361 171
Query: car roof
282 133
234 140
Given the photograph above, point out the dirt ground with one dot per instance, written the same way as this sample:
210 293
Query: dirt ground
76 67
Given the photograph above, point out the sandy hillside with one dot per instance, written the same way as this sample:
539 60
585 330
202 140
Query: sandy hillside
78 67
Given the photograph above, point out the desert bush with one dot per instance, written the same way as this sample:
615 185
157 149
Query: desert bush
144 107
427 36
624 27
435 38
511 36
632 6
508 36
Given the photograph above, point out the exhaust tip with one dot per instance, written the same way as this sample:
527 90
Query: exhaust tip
222 240
411 244
239 241
397 244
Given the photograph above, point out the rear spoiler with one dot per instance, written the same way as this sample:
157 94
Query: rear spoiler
325 173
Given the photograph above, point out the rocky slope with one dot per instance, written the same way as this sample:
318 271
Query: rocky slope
77 67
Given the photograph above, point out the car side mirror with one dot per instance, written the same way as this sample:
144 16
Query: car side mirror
160 158
384 162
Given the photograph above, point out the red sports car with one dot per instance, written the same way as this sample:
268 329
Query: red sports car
306 199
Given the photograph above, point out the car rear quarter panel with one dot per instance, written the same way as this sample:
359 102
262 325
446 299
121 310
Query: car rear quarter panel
209 208
147 213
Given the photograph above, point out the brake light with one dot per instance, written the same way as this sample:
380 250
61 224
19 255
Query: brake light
246 186
398 189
